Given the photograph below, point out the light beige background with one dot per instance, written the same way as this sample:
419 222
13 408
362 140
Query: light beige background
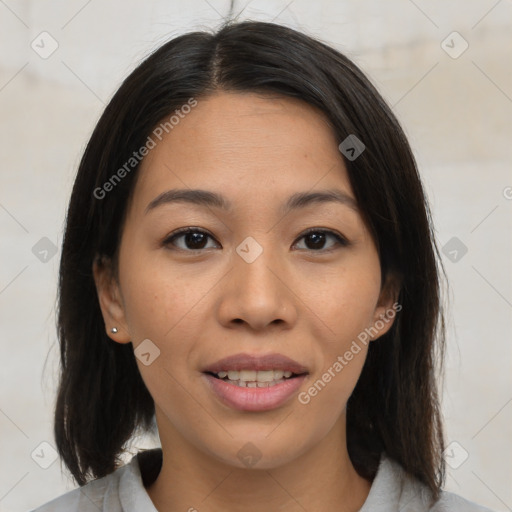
456 111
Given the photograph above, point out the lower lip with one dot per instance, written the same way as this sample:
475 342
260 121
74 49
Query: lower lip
254 399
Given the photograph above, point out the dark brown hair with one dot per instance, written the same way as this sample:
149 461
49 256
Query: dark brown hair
102 400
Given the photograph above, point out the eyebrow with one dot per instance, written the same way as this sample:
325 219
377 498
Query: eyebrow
214 200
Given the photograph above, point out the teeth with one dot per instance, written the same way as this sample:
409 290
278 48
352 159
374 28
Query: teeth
253 378
248 375
253 384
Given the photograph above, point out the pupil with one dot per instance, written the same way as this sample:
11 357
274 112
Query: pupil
194 239
318 239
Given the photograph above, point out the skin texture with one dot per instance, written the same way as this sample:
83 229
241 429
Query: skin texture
306 301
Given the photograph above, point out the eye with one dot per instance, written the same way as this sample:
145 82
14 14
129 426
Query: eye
316 238
194 239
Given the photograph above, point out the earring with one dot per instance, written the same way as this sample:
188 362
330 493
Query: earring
113 330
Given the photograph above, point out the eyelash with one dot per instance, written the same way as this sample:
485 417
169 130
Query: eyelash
343 242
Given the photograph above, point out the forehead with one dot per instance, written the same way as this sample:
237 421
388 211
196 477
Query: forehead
245 145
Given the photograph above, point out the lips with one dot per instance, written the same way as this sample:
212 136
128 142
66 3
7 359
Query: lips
244 361
255 383
254 399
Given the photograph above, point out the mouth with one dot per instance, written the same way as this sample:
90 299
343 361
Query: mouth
255 383
255 378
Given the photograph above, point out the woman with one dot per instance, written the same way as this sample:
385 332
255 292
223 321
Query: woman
249 260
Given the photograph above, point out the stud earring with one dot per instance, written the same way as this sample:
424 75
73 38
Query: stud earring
113 330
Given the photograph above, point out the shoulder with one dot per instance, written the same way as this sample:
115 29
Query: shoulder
117 492
449 502
394 489
88 498
91 497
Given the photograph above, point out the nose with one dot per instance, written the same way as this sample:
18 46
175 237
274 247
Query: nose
257 294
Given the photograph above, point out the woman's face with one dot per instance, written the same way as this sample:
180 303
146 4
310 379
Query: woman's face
248 280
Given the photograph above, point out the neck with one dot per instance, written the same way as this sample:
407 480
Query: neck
322 479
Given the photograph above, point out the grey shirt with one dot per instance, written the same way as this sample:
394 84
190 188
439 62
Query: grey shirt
392 490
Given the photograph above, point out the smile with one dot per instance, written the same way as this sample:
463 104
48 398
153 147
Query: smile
253 395
253 378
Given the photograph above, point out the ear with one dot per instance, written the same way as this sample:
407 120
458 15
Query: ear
110 299
387 306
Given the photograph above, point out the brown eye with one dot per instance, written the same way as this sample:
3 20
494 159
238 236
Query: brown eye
192 239
315 239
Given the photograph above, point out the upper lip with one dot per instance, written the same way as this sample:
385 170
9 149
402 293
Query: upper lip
245 361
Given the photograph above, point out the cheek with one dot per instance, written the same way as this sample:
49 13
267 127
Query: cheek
159 306
165 304
348 310
347 302
159 299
